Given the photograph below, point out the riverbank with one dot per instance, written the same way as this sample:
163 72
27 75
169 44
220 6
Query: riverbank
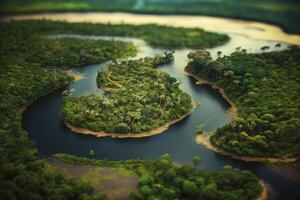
77 77
204 139
233 112
130 135
265 191
251 29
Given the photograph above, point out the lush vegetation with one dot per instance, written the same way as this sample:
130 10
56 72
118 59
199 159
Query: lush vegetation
166 58
25 57
171 38
282 12
266 89
141 99
22 80
162 179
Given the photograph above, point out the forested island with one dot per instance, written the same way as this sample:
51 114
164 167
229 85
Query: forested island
265 88
143 101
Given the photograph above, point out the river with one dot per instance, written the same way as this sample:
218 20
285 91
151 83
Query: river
43 122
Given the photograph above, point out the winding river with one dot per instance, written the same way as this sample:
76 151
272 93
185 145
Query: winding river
43 122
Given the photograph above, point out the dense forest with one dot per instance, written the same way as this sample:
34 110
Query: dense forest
284 13
142 98
23 79
265 88
25 75
162 179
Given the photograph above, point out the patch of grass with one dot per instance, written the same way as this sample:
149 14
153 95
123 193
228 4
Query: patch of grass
114 182
94 177
124 172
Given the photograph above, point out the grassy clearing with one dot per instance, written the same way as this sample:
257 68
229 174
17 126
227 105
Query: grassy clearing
114 182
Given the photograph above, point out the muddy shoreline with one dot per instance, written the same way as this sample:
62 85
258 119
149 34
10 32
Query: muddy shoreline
130 135
233 111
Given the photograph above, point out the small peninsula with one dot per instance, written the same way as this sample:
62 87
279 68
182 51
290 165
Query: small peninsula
143 101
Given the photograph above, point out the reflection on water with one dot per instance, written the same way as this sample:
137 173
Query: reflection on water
43 122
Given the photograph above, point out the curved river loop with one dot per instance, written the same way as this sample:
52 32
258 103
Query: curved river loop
44 123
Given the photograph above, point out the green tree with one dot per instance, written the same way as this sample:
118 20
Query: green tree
146 190
189 188
122 128
199 129
196 161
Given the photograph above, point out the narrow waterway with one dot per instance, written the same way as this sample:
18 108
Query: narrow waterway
43 122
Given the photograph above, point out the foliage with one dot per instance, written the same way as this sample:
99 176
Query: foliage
266 89
199 129
141 99
196 161
166 58
162 179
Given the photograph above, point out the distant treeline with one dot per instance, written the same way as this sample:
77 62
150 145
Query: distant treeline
284 13
171 38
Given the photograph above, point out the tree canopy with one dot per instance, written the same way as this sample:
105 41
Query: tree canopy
265 88
141 99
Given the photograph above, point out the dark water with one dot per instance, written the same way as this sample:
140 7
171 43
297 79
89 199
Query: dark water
43 122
